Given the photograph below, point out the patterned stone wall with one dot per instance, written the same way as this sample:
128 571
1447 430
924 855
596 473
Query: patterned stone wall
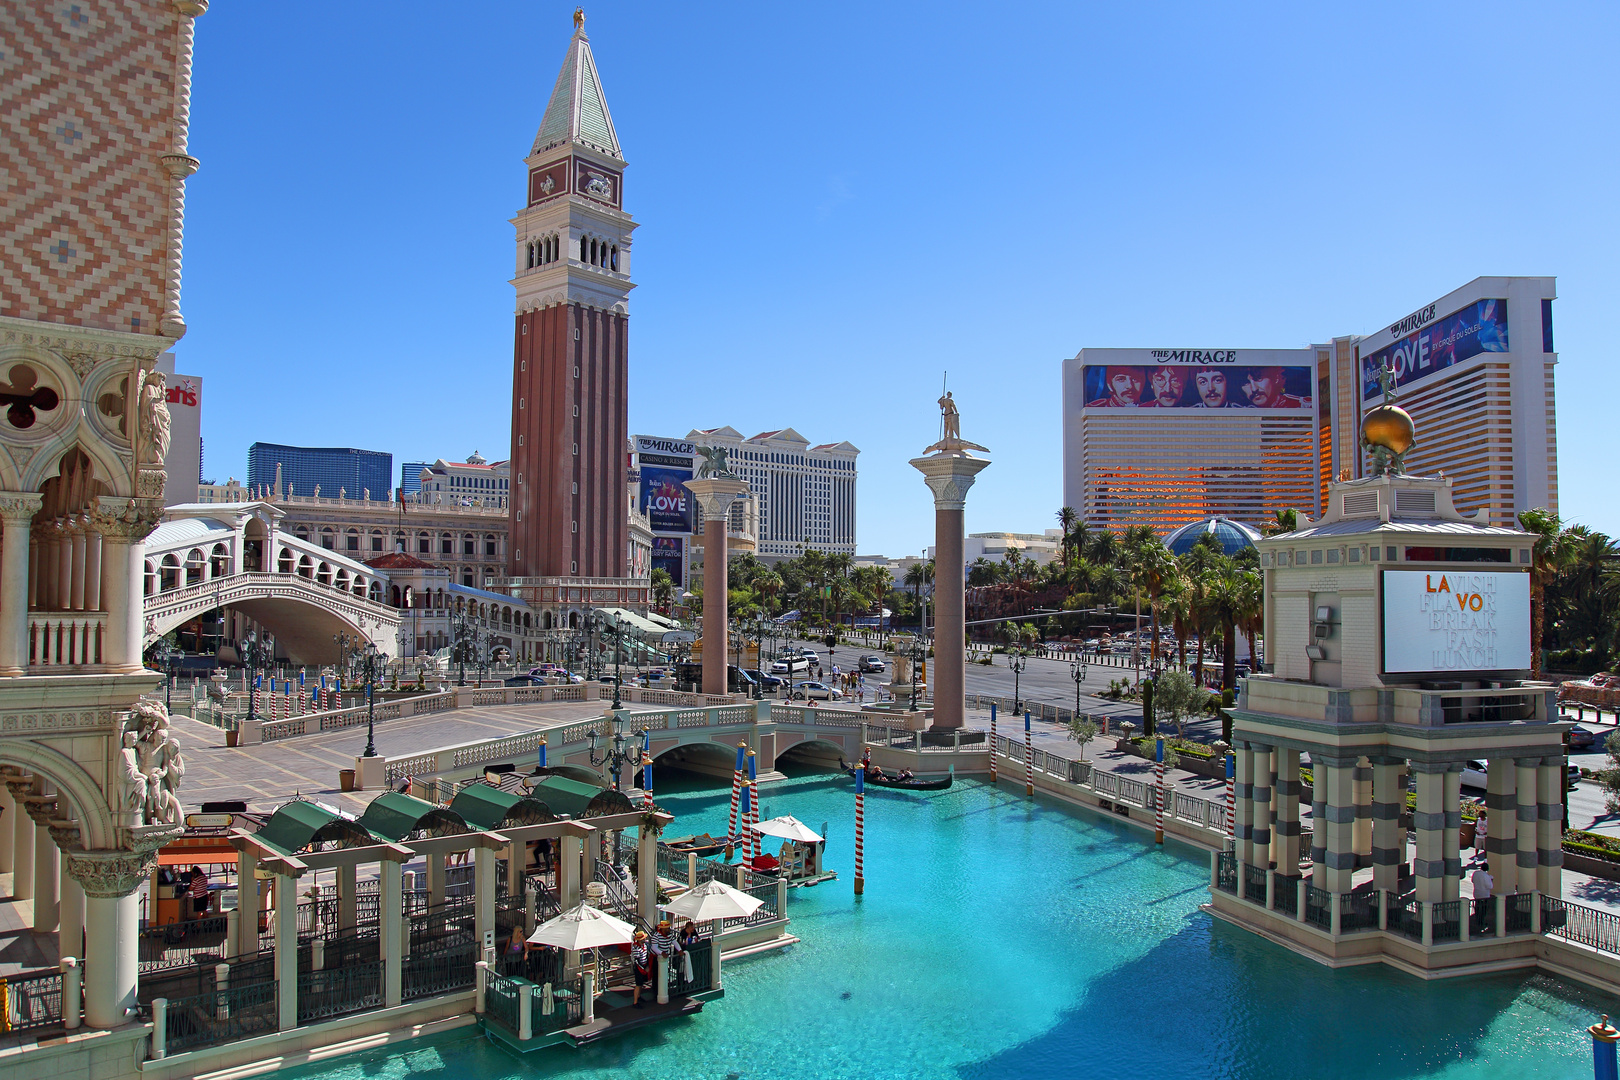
92 99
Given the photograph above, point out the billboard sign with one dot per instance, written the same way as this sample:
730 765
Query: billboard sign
669 507
1208 384
1433 344
1454 621
666 556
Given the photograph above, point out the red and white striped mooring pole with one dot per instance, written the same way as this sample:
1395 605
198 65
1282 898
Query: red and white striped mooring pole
860 831
1029 759
736 789
1158 791
1231 804
993 747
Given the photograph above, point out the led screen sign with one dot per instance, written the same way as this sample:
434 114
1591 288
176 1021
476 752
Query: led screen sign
1456 621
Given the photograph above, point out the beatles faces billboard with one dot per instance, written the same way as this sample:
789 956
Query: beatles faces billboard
1456 621
1478 328
1213 385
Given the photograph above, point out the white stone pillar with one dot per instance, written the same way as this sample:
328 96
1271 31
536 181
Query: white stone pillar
949 474
1528 815
1429 820
391 931
647 870
1501 809
1260 837
17 510
1550 827
1364 821
1451 844
8 811
112 930
47 880
1243 805
124 525
92 570
568 860
715 494
1335 782
286 888
1389 801
1287 833
76 538
247 903
436 873
346 887
22 850
483 893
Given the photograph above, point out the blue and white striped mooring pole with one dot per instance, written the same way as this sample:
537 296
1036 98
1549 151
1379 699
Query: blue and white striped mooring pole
1604 1036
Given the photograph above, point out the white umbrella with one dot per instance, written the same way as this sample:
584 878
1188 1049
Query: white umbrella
713 900
583 927
787 827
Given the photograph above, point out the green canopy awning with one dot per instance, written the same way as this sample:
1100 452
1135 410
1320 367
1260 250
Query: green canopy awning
485 807
395 817
565 796
298 825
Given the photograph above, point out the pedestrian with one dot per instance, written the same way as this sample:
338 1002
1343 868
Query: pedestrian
199 891
641 961
1483 884
664 942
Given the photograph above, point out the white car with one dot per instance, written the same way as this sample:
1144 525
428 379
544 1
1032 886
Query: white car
1474 775
814 690
797 664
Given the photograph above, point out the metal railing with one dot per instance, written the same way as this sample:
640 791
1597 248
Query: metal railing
178 944
1518 913
1226 876
448 966
765 913
701 955
33 1000
1358 911
1445 922
1589 926
501 1000
1254 883
340 991
219 1016
1318 907
1285 894
1406 916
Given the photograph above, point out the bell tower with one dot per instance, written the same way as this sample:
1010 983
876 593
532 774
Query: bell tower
570 366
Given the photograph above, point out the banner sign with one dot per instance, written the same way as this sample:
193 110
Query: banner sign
666 556
667 504
1456 621
1480 327
1196 386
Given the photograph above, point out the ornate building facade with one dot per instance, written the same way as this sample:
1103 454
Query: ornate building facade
95 161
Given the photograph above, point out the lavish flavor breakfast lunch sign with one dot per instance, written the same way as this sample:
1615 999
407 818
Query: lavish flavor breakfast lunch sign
1456 621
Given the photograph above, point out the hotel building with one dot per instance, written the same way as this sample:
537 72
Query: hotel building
1164 437
806 493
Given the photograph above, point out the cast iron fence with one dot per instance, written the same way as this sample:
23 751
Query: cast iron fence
219 1016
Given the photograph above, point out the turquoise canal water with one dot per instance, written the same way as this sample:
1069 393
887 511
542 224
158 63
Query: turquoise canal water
1000 937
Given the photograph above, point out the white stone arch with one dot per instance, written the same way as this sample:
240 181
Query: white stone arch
323 572
196 563
170 565
220 560
50 440
97 830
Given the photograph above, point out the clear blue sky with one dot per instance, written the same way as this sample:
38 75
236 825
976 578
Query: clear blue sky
840 202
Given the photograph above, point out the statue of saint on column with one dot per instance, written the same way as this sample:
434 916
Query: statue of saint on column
951 440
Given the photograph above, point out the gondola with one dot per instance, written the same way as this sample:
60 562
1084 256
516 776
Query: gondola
904 785
704 845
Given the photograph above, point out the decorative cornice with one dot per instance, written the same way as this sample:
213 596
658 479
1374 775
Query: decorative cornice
949 476
19 507
80 345
107 875
128 519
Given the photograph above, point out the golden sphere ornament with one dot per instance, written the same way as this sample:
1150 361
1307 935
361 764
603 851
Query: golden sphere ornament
1389 426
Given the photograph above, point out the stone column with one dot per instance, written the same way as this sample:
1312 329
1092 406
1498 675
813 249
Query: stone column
949 474
391 930
286 887
568 859
1287 841
111 923
76 535
483 894
1388 802
1260 837
8 812
1243 804
22 842
715 495
1364 797
124 525
435 879
47 880
1550 826
647 870
346 887
1335 781
1429 820
1451 845
92 568
1501 809
247 904
1529 814
17 510
70 932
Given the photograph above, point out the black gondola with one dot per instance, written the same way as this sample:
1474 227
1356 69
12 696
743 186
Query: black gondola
903 785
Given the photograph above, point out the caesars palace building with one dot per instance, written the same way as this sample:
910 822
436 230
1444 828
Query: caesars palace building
1163 437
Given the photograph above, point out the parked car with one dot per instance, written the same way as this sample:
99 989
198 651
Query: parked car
769 682
872 664
806 691
567 676
525 680
1582 738
1474 774
795 664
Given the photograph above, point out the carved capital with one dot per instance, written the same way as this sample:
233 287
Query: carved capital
110 874
191 9
19 507
716 494
949 476
129 520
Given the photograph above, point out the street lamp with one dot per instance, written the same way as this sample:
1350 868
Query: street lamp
255 654
463 643
1077 672
1017 661
165 654
616 756
348 644
369 666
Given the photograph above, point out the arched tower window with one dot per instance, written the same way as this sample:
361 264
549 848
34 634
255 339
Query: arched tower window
584 249
614 260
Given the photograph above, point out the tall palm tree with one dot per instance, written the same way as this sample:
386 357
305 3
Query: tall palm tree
1154 566
1224 602
1252 613
768 584
1285 521
1550 554
1175 600
1066 516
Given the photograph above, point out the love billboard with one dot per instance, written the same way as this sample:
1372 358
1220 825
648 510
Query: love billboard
667 504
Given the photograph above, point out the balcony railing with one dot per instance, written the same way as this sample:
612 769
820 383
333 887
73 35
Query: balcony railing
61 639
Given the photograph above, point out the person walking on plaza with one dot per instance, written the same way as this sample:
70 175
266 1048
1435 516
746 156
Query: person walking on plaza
199 891
1483 884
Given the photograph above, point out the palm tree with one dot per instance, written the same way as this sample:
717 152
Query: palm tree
1224 603
1550 554
1154 566
1067 516
1252 616
663 588
917 575
1286 521
1175 600
768 584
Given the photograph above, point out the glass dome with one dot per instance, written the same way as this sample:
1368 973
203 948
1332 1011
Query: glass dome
1233 535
